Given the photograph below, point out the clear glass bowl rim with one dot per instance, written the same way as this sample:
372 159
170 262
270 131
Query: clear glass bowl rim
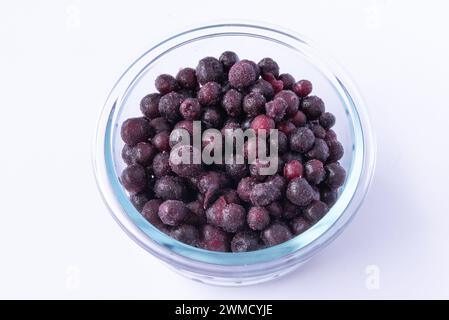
211 263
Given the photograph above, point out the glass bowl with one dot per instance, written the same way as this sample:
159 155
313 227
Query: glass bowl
294 55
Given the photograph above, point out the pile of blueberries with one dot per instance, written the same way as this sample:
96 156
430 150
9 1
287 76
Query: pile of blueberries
232 207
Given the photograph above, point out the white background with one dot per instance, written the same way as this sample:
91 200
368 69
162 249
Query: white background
58 61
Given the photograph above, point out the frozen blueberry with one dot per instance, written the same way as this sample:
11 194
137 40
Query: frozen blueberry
299 119
335 175
209 94
291 99
214 214
231 196
213 238
263 194
127 154
268 65
336 150
298 225
232 124
262 122
288 80
314 171
293 169
302 88
209 69
254 65
276 109
291 210
328 196
277 181
242 74
150 212
315 211
244 188
232 103
149 105
183 161
327 120
233 217
133 178
143 153
264 88
211 184
258 218
300 192
253 104
165 83
197 214
276 234
228 59
170 188
160 124
186 78
318 130
186 233
319 151
330 136
172 212
255 169
244 241
212 118
275 209
138 200
190 109
282 142
301 140
313 107
186 125
161 141
236 171
161 165
286 127
289 156
169 106
135 130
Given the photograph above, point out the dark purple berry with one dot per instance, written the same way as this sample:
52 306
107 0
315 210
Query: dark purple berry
258 218
291 210
264 88
228 59
336 150
209 69
275 209
149 105
127 154
170 188
172 212
262 122
313 107
197 214
160 124
183 161
233 217
327 120
286 127
282 142
298 225
143 153
253 104
245 241
232 103
244 188
187 78
186 233
161 165
255 169
289 156
329 196
263 194
254 65
335 175
190 109
300 192
291 99
135 130
165 83
277 181
302 88
293 169
161 141
314 171
212 118
215 239
150 212
134 178
315 211
318 130
288 80
301 140
138 200
276 234
236 171
169 106
319 151
299 119
209 94
242 75
268 65
276 109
